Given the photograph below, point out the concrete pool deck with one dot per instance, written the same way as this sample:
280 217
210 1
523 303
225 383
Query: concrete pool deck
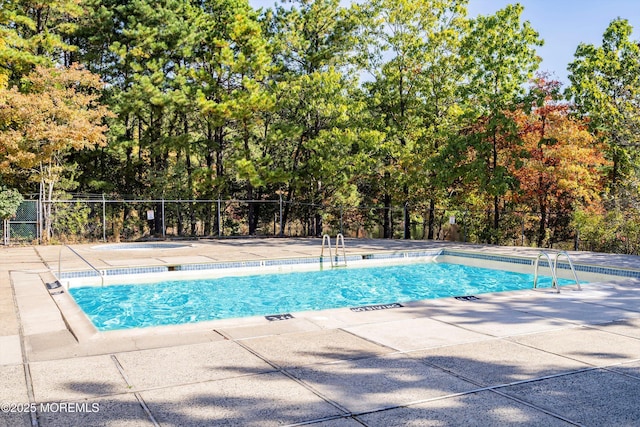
516 358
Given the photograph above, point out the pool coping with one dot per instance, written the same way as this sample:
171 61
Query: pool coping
83 330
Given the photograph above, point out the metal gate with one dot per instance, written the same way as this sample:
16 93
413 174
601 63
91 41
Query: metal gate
24 227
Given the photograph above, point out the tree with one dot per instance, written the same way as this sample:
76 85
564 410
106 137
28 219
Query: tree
501 58
309 138
10 200
605 87
231 67
562 169
102 38
55 112
33 33
415 63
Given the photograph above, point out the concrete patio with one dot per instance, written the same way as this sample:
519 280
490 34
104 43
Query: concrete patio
516 358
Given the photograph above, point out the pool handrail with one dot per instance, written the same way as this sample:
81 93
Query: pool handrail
554 269
100 273
340 238
326 238
573 270
554 278
334 257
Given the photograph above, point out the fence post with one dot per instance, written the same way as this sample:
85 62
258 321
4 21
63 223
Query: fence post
39 218
163 223
405 222
341 220
523 229
104 219
219 220
464 227
281 230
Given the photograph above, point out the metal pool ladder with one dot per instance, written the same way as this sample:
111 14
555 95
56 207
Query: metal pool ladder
100 273
553 266
334 259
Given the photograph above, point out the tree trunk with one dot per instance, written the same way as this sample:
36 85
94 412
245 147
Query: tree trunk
252 219
286 209
251 214
211 221
387 228
543 221
219 151
432 212
180 227
496 198
407 217
190 192
47 183
496 217
256 215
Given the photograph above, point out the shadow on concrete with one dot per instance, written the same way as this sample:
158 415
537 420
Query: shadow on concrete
560 309
374 390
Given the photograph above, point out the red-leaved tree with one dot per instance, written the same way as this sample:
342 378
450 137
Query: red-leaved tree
562 169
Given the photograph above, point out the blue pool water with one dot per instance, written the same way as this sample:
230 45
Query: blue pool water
177 302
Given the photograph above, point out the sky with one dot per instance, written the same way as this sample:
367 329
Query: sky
562 24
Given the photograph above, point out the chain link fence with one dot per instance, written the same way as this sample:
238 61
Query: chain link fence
24 226
127 220
101 219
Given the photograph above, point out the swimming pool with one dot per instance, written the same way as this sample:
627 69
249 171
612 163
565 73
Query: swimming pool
178 302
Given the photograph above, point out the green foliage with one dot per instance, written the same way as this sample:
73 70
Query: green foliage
33 33
310 130
412 100
605 86
372 107
614 231
71 219
10 200
499 58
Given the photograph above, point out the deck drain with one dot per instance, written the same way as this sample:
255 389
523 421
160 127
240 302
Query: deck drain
467 298
376 307
276 317
53 285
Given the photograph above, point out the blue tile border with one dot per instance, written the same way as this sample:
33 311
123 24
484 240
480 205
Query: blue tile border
112 272
610 271
487 257
136 270
291 261
217 265
244 264
77 274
